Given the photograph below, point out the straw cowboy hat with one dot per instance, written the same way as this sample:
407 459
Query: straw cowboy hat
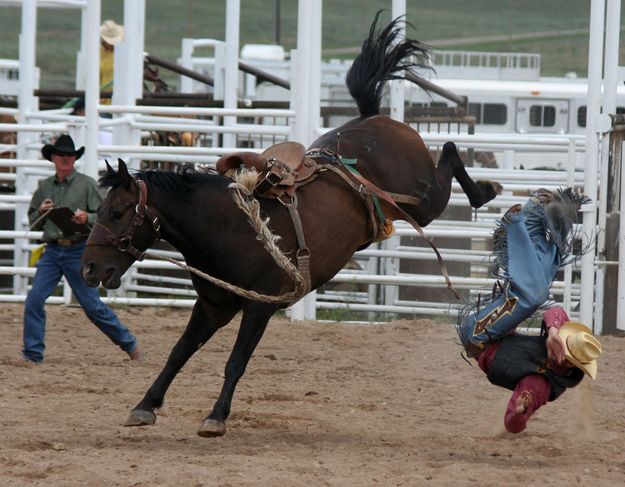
111 32
64 146
582 349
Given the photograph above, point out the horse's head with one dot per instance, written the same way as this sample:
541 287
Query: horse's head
125 227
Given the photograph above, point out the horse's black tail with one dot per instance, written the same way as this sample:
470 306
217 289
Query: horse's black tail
382 59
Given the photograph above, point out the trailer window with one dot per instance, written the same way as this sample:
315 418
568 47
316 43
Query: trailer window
542 116
488 113
475 110
495 114
581 114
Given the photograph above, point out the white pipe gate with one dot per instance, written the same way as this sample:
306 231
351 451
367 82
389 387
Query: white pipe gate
300 122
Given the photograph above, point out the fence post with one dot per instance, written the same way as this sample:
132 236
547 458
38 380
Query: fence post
26 103
231 77
595 58
570 182
305 92
620 310
92 88
186 60
391 268
397 91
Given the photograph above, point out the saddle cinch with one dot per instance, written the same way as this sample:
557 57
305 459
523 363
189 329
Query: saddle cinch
281 168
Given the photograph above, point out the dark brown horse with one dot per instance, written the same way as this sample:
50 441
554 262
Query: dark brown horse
197 215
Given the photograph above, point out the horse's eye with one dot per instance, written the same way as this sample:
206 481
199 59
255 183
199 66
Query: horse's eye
118 214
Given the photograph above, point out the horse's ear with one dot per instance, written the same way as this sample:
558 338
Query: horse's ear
124 175
109 169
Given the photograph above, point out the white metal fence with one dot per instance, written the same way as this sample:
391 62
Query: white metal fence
373 282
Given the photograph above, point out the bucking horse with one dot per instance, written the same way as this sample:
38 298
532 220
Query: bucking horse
270 227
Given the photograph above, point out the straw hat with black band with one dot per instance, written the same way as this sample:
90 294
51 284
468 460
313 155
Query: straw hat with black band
582 349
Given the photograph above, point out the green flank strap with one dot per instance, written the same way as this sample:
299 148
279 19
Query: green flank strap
350 164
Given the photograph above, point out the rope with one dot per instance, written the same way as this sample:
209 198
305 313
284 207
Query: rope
246 201
289 297
34 224
249 205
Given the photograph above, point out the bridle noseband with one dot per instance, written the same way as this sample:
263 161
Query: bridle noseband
100 235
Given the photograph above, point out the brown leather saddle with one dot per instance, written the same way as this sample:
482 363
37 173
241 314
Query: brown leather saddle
281 168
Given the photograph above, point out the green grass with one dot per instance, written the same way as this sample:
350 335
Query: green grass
341 315
347 314
345 24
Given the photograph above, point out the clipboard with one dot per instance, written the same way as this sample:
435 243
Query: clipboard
62 218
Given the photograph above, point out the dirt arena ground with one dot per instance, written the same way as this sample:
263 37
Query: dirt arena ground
320 404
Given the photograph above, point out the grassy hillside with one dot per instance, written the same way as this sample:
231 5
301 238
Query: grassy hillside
345 24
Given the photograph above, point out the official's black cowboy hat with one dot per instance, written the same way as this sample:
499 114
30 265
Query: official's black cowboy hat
64 146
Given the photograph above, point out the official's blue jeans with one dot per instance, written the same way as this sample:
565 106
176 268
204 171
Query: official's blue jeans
58 261
532 265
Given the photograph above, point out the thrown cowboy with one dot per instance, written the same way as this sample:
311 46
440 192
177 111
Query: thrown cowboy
531 243
77 193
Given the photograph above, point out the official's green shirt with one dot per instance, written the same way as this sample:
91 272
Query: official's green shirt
77 191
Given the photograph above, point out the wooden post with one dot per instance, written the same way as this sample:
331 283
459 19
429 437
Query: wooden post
612 230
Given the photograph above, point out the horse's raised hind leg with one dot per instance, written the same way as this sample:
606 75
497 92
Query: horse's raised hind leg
253 325
200 329
478 192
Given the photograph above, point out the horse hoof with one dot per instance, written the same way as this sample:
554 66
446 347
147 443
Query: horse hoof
491 188
488 191
140 418
211 428
497 187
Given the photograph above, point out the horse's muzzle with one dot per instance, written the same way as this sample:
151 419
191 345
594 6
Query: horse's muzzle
88 274
109 278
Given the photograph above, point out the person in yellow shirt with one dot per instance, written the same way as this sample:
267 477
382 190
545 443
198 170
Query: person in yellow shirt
110 34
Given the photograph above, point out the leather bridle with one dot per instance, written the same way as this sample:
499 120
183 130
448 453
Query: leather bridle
100 235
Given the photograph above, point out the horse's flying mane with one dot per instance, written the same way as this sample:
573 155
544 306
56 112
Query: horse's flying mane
178 183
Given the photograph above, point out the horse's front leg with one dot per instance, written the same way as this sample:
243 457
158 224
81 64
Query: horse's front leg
253 325
200 329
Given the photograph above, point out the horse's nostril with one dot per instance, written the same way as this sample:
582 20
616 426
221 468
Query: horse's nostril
87 269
